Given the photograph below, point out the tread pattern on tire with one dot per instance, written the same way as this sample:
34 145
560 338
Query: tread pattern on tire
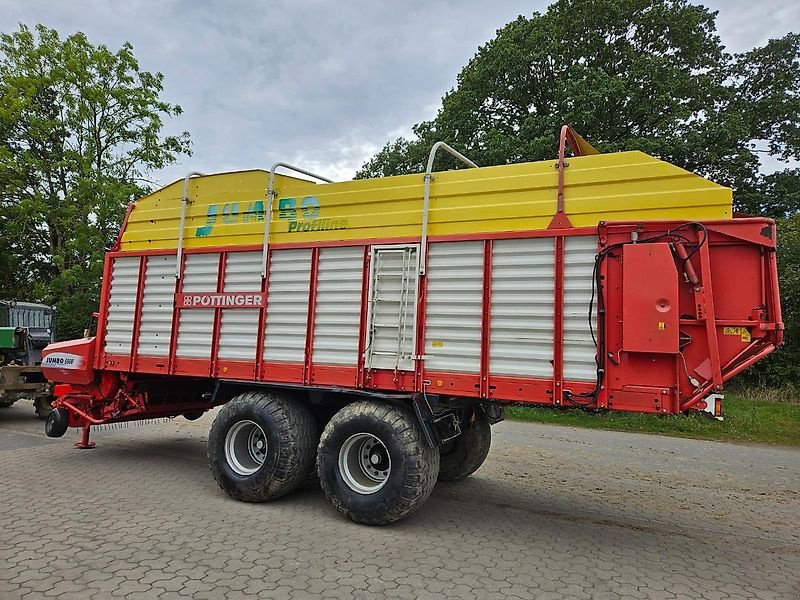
422 463
297 433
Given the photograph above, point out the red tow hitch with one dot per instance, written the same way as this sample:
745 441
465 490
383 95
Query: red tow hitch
65 415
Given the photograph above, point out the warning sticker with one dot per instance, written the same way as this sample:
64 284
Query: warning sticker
437 343
742 332
662 325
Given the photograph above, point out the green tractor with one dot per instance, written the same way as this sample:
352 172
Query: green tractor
25 329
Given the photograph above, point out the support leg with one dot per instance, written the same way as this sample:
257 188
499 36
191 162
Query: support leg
85 444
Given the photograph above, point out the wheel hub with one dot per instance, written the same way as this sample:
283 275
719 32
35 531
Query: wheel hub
245 447
364 463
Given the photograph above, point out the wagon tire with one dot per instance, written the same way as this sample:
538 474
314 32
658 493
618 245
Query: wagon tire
57 423
262 446
374 464
464 455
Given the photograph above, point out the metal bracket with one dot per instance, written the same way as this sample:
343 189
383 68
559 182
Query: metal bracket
434 425
422 409
452 425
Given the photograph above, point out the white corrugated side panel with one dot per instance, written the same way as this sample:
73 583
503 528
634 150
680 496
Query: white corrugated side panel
122 305
522 308
196 325
155 325
579 349
454 307
338 309
238 331
287 306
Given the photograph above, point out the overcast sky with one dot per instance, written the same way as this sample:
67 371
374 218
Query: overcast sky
320 84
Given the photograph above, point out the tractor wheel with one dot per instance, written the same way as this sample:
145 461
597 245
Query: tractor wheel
42 406
374 464
262 446
464 455
193 415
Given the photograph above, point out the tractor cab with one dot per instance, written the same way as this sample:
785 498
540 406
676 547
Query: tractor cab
26 329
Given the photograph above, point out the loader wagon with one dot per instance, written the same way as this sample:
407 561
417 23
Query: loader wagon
373 330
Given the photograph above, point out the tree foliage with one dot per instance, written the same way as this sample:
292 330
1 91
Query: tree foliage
651 75
627 74
80 128
782 369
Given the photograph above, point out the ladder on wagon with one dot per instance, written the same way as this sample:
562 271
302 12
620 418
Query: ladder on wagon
391 318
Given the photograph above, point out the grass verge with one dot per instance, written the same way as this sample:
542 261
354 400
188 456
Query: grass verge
746 420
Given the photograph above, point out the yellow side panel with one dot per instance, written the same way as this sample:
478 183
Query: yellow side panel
227 209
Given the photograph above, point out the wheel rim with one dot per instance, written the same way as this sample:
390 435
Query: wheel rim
364 463
245 447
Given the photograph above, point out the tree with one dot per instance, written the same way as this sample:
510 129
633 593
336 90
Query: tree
80 128
775 195
627 74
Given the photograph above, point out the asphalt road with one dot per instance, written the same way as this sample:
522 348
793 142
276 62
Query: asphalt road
555 512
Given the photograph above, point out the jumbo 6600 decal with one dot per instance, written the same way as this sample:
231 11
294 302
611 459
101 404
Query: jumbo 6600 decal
63 360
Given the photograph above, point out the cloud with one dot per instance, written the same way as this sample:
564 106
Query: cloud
311 82
743 24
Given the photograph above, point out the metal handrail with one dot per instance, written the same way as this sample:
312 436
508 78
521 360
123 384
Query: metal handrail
184 205
427 199
270 198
